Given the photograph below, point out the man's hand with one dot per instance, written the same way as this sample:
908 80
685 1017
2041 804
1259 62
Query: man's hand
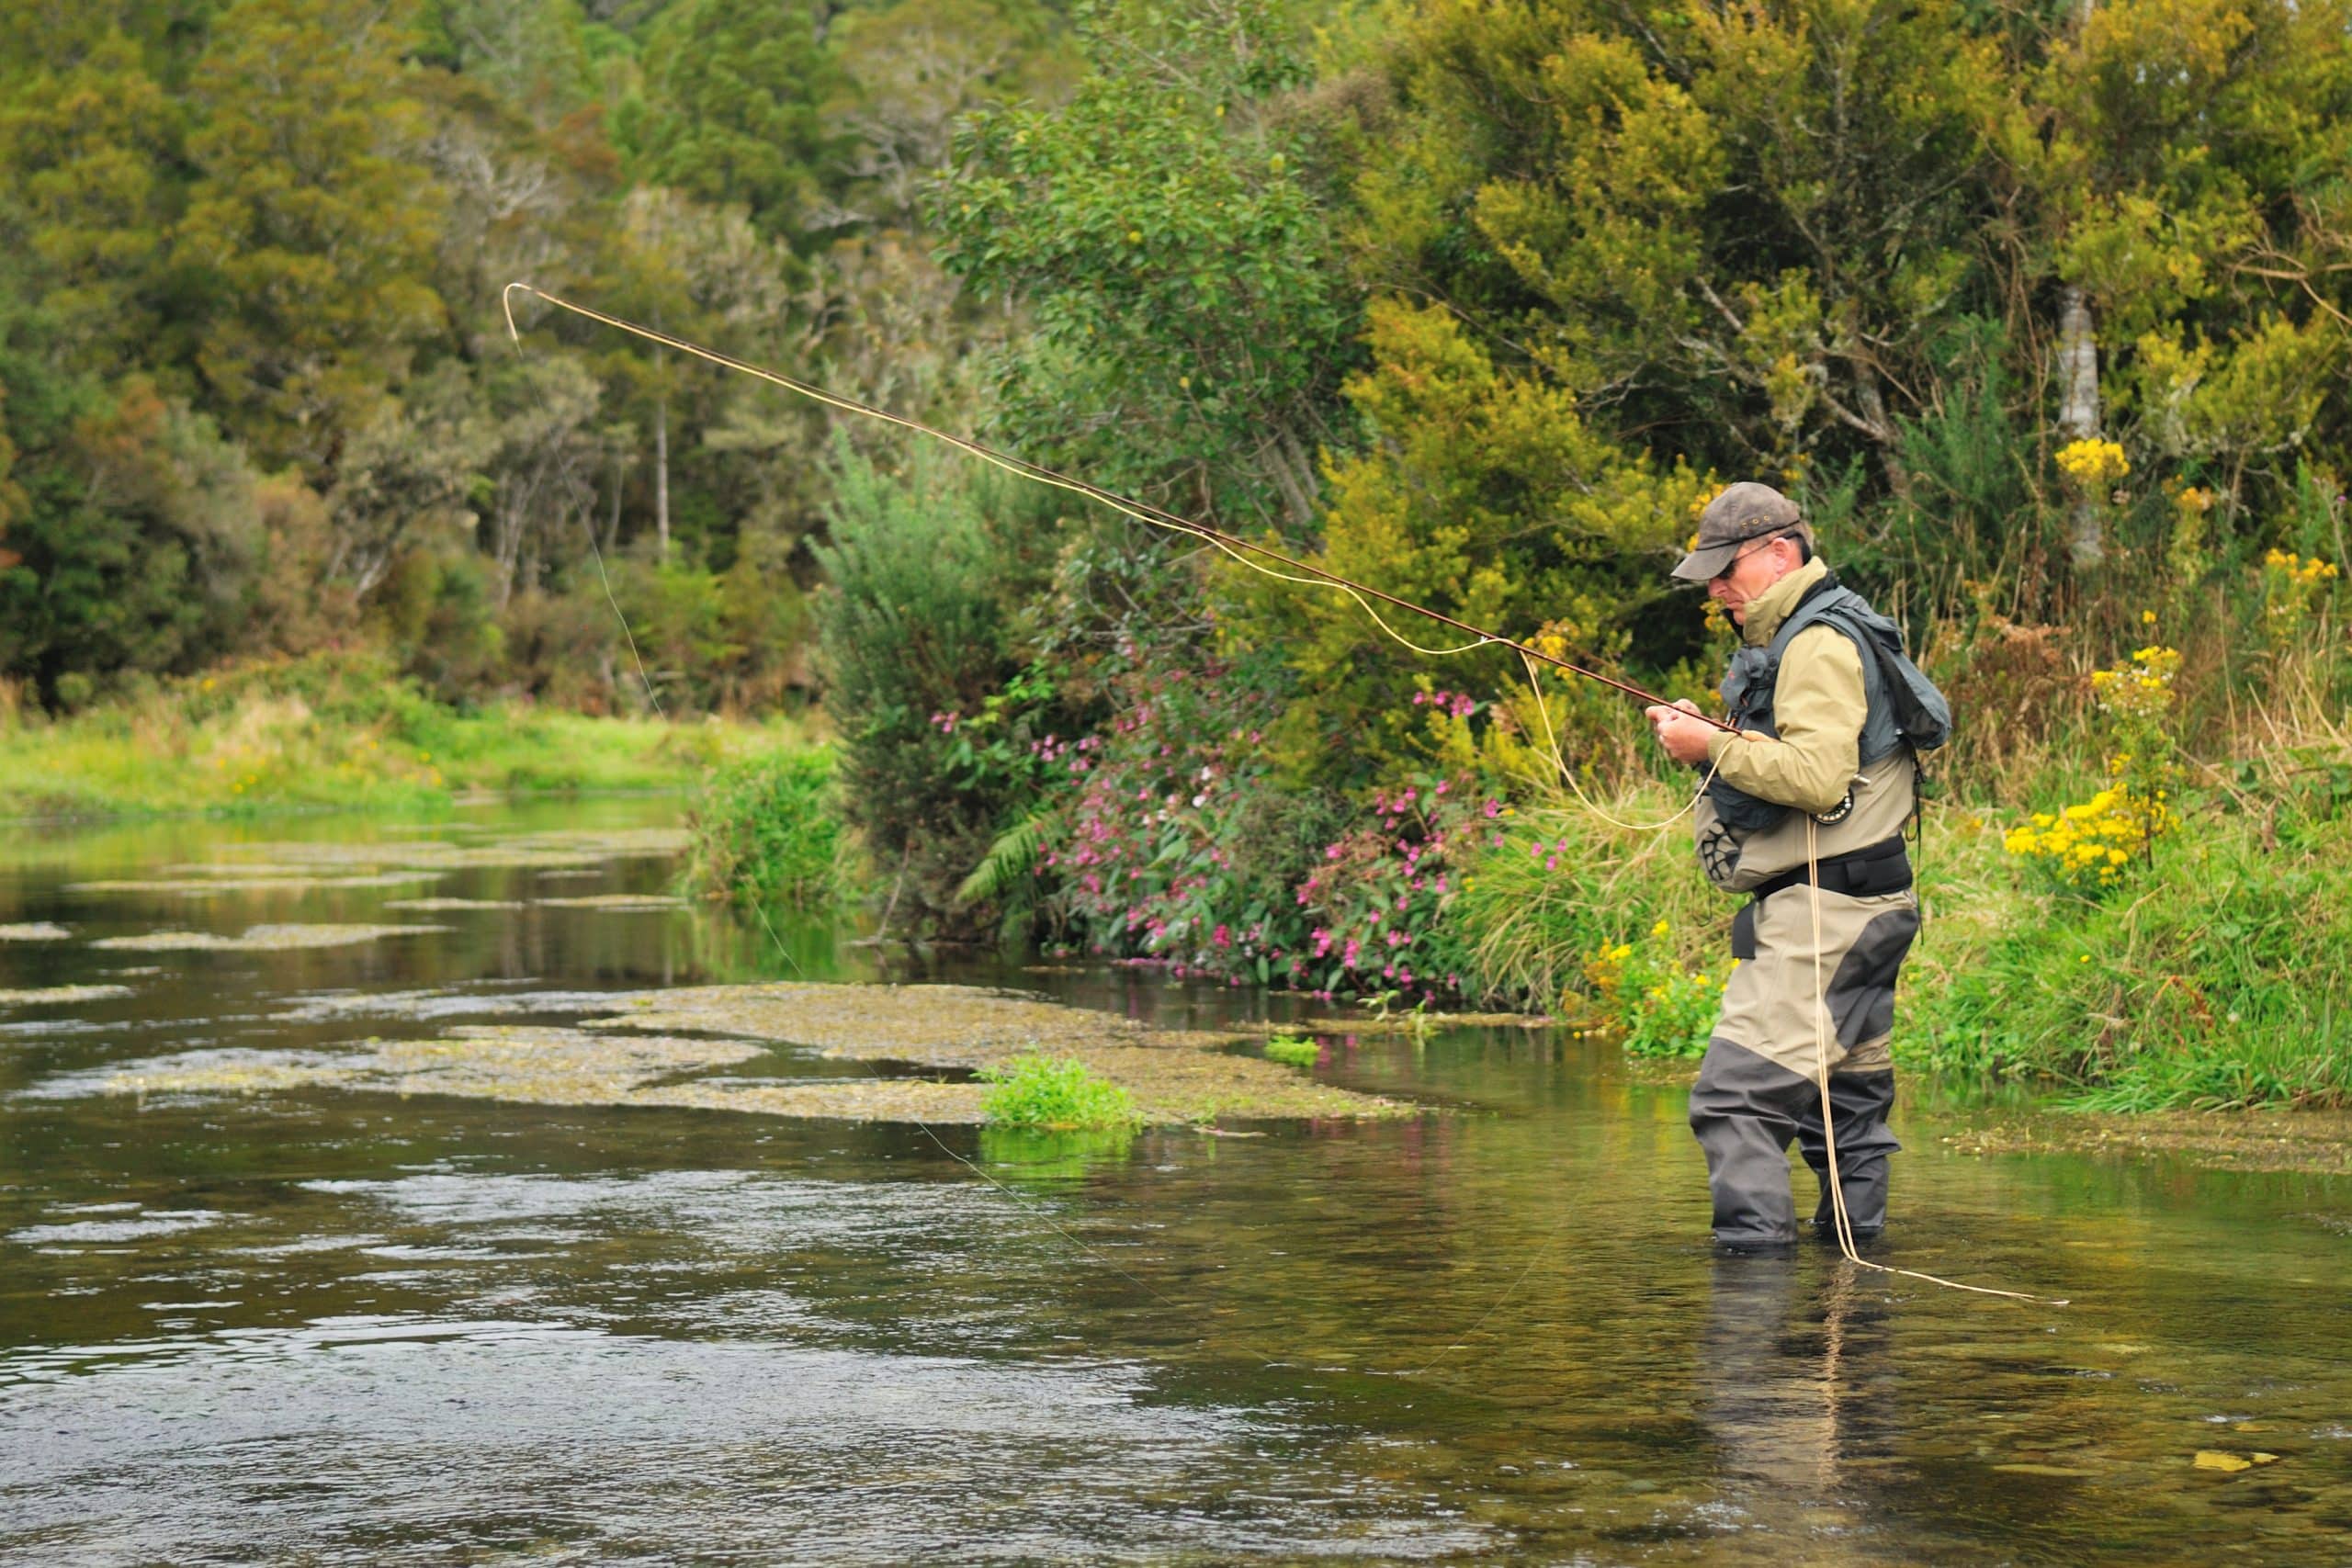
1682 731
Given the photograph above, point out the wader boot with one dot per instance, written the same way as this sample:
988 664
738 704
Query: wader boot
1756 1093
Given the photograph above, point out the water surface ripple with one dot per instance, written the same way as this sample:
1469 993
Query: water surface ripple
325 1327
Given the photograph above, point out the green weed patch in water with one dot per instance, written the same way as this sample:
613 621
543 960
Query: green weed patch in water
1293 1052
648 1057
1055 1095
562 851
270 881
545 1066
52 996
1175 1076
259 939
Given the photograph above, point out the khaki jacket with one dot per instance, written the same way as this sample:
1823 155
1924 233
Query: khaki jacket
1818 705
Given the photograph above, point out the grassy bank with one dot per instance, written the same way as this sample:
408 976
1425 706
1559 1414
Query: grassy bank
2208 978
339 731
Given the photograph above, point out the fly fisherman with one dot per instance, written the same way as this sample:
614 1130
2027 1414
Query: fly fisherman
1822 774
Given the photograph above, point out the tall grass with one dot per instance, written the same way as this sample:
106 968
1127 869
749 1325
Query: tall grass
767 828
2215 979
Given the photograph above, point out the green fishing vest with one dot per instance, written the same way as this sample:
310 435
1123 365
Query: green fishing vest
1904 706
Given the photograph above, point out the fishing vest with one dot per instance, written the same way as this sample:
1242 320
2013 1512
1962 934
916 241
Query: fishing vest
1904 709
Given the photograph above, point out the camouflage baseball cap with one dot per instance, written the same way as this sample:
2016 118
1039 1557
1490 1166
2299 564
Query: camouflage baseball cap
1743 512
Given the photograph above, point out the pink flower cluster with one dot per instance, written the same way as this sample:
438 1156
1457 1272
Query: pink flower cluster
1460 704
1155 862
1380 891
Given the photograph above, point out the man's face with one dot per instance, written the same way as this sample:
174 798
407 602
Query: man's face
1756 569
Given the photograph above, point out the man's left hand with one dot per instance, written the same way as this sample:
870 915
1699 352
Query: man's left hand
1682 731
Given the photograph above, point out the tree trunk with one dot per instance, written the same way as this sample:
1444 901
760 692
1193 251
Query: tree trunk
662 457
2078 410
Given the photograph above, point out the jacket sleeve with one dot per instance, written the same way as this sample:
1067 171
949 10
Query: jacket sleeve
1818 705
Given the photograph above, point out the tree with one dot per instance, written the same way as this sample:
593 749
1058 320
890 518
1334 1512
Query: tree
1164 233
309 227
1741 228
735 109
85 153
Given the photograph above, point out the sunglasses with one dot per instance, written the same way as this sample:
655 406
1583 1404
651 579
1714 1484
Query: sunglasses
1740 555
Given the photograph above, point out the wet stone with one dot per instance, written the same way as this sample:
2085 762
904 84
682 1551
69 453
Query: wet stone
34 930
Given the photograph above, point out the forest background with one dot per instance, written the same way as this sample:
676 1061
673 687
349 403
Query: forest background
2039 310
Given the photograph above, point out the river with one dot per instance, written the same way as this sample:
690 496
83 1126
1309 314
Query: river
315 1326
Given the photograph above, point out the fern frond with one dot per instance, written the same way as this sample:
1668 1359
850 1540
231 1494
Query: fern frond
1012 856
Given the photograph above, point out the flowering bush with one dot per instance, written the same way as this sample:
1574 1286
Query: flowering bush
2141 692
1380 892
1663 1009
2293 591
2092 465
2087 848
1178 845
1181 847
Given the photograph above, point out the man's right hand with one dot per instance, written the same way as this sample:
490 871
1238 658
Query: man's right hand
1682 731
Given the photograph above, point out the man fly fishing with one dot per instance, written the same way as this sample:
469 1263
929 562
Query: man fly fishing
1803 813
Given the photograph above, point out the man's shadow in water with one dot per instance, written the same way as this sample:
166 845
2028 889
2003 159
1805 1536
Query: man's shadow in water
1797 1392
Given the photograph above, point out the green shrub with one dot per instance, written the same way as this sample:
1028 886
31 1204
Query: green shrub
917 631
767 830
1035 1090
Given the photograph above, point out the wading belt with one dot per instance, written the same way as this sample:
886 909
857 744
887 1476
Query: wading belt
1865 873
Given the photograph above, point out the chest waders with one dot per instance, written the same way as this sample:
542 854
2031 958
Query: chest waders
1800 1052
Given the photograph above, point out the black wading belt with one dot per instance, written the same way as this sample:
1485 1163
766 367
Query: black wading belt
1865 873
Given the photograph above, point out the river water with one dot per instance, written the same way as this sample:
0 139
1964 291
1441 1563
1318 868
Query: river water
320 1326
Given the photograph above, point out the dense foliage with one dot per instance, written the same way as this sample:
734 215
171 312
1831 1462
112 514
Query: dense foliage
255 391
2042 313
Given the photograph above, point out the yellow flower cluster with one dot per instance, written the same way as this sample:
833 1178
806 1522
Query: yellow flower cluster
2093 464
1698 980
2141 689
2086 847
2297 570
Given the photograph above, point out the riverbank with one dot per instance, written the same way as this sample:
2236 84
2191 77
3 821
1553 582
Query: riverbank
2199 982
340 732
